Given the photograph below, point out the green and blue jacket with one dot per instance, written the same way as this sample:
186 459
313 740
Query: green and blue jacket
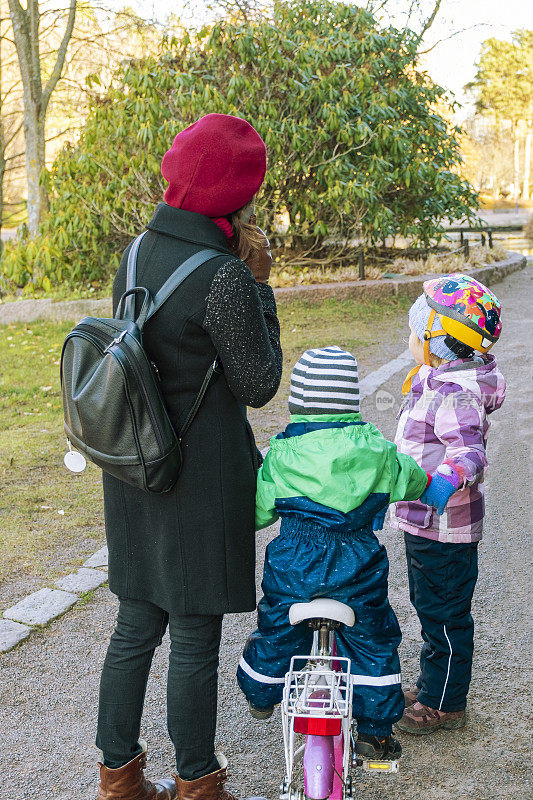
333 470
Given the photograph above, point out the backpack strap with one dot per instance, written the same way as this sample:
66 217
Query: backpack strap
179 275
170 285
131 276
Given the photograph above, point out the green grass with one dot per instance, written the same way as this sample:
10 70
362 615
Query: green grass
52 518
48 515
373 332
364 328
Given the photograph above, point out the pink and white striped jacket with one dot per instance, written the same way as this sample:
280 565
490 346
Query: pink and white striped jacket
443 419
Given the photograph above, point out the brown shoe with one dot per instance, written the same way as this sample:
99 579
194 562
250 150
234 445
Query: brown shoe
420 719
128 782
210 787
410 695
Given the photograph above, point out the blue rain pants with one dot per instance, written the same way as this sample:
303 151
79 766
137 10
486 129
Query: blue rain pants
442 578
304 562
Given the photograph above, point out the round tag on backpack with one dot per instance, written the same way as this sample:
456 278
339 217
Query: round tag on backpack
74 461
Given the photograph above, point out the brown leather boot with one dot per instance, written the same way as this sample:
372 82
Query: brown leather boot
421 719
128 783
210 787
410 695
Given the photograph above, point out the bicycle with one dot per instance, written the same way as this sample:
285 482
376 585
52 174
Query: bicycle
317 704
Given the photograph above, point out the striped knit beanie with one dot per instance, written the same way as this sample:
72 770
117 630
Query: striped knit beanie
324 381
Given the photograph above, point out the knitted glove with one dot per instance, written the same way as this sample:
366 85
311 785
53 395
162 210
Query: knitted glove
379 519
444 482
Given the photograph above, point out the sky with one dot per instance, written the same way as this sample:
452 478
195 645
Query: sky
451 63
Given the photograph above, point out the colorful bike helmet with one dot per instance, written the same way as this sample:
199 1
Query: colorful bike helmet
468 312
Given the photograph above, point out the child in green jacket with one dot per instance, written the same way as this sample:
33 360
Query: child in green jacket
330 476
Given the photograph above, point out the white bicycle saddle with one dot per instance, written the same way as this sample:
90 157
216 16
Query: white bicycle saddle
322 608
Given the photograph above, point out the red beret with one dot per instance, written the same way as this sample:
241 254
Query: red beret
215 166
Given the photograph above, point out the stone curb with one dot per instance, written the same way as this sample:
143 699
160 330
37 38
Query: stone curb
410 286
40 608
32 310
11 633
98 559
82 581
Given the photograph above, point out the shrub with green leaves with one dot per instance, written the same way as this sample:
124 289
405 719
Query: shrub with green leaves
356 145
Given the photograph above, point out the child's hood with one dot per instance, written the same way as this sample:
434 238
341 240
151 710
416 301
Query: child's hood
479 375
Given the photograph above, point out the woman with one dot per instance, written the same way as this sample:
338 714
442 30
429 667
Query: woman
185 558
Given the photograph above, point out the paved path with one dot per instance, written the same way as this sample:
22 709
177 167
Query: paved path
48 686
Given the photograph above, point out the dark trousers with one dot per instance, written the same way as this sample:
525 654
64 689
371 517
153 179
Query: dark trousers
442 578
191 686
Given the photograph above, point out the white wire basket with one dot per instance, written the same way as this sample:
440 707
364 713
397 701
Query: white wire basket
314 687
320 688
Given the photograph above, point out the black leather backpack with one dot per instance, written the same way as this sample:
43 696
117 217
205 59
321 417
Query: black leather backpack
113 408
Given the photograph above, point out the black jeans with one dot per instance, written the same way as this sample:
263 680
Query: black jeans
191 687
442 578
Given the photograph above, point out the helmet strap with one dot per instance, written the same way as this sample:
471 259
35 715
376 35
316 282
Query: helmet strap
429 334
406 387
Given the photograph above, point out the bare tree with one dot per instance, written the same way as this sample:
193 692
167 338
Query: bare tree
413 13
431 19
2 138
10 126
25 22
240 10
100 41
527 162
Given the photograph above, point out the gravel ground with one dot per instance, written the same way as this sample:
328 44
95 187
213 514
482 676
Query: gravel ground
48 685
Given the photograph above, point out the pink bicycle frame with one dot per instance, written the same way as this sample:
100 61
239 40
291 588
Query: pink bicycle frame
323 767
323 760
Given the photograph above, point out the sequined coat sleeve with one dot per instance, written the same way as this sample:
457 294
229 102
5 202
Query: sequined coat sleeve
241 320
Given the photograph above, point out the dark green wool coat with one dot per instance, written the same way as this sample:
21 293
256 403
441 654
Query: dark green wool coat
192 550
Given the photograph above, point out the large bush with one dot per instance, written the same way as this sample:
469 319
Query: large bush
356 146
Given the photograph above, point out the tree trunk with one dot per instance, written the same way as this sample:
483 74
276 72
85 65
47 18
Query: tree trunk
25 23
527 164
493 186
516 179
2 140
2 173
35 164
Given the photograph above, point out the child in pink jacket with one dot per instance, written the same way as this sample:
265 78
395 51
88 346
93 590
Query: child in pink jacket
443 424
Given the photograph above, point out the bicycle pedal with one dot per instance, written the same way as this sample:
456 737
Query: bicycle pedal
372 765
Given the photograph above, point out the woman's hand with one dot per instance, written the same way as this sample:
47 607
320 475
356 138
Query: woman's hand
260 261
